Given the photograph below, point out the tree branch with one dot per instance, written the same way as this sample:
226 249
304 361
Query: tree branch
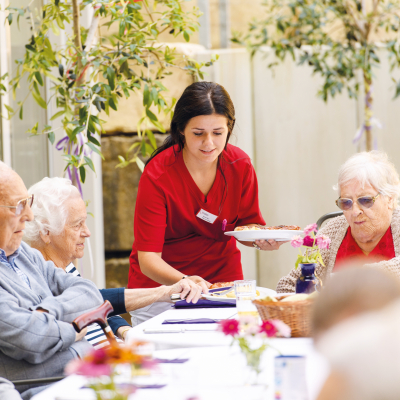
77 34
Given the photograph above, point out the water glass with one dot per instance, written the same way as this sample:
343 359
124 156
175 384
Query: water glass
245 292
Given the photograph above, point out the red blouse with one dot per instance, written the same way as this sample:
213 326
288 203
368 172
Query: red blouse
350 251
167 203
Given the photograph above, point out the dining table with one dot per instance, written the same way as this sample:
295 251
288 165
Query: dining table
198 362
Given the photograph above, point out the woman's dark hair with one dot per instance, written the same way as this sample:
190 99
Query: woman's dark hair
200 98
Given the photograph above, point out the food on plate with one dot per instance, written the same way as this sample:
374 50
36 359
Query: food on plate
248 228
228 285
269 228
282 228
231 295
221 285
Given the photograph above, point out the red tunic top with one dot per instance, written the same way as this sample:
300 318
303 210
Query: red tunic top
350 251
165 216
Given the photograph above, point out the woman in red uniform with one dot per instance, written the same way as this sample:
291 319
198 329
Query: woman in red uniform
195 187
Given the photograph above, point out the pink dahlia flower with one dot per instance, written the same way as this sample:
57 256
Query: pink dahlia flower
82 367
310 228
308 241
268 328
283 330
297 241
323 242
229 327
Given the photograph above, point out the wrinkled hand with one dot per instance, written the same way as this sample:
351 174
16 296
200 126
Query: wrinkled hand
201 282
81 335
268 245
188 289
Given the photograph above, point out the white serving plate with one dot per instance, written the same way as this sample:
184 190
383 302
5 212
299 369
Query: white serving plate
263 293
278 235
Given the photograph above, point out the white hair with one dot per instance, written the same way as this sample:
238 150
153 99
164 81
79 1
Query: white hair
49 207
373 168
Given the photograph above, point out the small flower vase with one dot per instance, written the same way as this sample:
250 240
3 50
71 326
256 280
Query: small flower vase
308 282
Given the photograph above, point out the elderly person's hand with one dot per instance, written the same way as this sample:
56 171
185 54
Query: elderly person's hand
79 336
187 289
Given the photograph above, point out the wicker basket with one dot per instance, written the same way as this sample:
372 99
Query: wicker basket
296 314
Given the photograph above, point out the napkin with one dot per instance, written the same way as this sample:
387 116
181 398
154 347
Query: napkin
173 361
202 303
149 386
191 321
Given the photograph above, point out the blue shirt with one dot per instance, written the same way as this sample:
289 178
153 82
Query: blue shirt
10 262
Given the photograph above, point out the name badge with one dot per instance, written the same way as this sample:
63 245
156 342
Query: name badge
206 216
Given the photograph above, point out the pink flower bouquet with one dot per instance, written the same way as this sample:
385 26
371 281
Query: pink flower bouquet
242 331
99 365
313 243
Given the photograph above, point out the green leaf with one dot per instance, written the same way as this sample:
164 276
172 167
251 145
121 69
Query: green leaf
140 163
38 77
82 173
39 100
90 163
133 146
21 112
186 36
146 96
10 18
95 149
143 148
151 115
111 77
112 104
93 140
57 115
76 131
52 137
152 139
54 28
30 48
158 126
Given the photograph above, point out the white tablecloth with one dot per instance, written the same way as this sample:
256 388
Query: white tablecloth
215 369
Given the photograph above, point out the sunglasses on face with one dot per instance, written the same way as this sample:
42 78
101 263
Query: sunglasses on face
363 202
21 205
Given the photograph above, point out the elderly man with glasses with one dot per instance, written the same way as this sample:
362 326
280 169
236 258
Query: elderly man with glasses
38 300
368 232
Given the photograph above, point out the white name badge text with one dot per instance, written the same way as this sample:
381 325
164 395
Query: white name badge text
206 216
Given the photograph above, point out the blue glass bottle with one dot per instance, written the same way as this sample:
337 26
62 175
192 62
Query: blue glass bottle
308 282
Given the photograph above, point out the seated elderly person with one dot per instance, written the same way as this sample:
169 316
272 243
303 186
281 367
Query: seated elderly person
369 230
356 329
38 302
59 231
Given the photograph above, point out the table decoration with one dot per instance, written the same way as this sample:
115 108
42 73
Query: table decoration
251 337
111 370
308 281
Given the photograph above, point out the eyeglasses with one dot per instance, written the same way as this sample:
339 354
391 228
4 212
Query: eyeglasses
21 205
363 202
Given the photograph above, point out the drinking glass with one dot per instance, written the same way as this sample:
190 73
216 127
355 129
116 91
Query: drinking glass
245 292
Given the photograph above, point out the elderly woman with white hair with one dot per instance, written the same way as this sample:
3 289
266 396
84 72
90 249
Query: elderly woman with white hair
59 231
368 232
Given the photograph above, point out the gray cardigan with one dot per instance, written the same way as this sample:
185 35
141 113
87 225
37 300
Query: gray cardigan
46 340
